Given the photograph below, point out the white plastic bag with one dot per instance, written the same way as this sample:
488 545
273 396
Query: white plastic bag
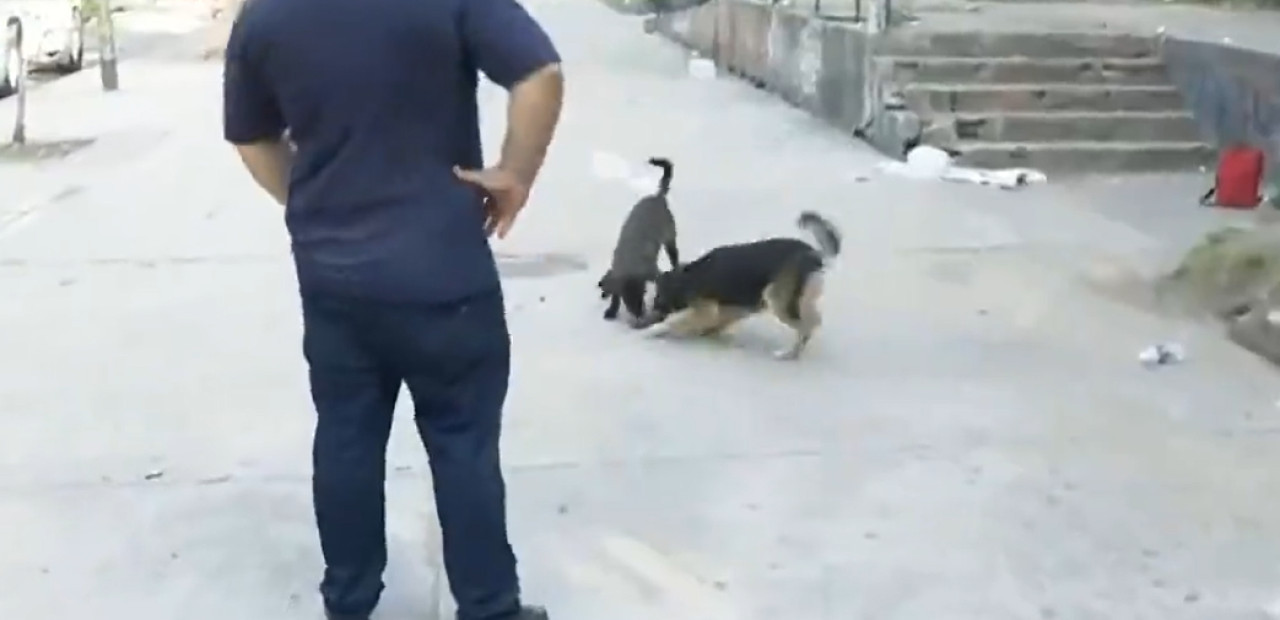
702 68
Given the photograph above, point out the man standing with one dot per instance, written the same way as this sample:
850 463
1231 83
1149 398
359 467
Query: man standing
389 209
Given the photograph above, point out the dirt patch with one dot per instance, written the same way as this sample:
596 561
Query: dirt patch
1229 269
41 151
538 265
1119 281
1232 276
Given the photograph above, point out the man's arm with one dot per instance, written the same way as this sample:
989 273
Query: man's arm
269 162
251 117
532 115
515 52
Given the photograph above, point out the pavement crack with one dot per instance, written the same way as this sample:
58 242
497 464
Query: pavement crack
399 472
664 460
145 263
968 249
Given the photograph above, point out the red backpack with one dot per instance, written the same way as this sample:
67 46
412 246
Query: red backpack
1239 179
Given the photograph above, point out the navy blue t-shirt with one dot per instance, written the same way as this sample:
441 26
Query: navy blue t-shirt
380 98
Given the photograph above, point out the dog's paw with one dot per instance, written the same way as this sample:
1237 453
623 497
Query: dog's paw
655 331
787 354
718 335
645 321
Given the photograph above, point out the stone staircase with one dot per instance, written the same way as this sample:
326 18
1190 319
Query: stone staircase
1053 101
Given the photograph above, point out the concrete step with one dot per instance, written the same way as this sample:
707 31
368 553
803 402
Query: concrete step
1075 126
1085 156
911 42
1017 70
948 98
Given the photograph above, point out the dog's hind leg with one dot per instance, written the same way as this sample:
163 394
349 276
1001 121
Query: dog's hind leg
673 254
808 324
800 313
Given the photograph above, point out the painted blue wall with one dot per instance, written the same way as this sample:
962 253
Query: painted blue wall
1234 93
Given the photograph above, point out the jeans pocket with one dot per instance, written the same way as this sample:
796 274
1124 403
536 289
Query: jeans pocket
483 322
330 335
452 340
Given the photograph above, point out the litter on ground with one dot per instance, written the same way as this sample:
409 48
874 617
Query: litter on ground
930 163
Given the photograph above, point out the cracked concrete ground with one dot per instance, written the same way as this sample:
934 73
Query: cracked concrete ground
969 438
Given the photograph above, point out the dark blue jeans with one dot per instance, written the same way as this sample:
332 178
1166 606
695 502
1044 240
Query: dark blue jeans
455 360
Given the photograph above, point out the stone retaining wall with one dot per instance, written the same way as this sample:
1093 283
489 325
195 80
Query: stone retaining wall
821 66
1234 93
826 68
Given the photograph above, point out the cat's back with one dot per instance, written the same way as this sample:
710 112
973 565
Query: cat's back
646 228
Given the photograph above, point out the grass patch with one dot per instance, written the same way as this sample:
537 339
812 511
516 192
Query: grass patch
1228 268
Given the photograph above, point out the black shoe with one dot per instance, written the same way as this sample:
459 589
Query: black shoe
532 612
332 615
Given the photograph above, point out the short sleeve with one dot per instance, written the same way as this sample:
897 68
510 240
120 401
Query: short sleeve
250 112
504 41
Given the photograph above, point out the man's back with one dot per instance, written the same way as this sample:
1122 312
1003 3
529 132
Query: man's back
398 284
379 96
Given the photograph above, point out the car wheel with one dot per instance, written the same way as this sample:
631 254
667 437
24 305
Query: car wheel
73 59
12 57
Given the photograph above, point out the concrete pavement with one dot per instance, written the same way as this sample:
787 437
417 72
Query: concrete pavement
969 438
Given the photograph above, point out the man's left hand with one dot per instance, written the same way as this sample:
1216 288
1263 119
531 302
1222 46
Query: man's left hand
505 195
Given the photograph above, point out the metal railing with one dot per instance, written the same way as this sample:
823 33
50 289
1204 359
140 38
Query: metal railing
883 9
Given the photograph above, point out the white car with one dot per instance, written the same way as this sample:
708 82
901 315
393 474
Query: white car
10 57
49 34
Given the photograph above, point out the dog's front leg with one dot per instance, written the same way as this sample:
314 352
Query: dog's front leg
686 323
661 327
647 320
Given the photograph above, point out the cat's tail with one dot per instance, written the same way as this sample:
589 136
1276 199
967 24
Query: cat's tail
668 169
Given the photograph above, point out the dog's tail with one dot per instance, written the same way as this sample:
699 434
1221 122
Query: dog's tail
825 234
668 169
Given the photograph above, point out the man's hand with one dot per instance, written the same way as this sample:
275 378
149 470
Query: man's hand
505 195
532 114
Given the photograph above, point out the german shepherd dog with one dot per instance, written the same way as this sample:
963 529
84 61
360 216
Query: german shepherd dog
648 228
733 282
